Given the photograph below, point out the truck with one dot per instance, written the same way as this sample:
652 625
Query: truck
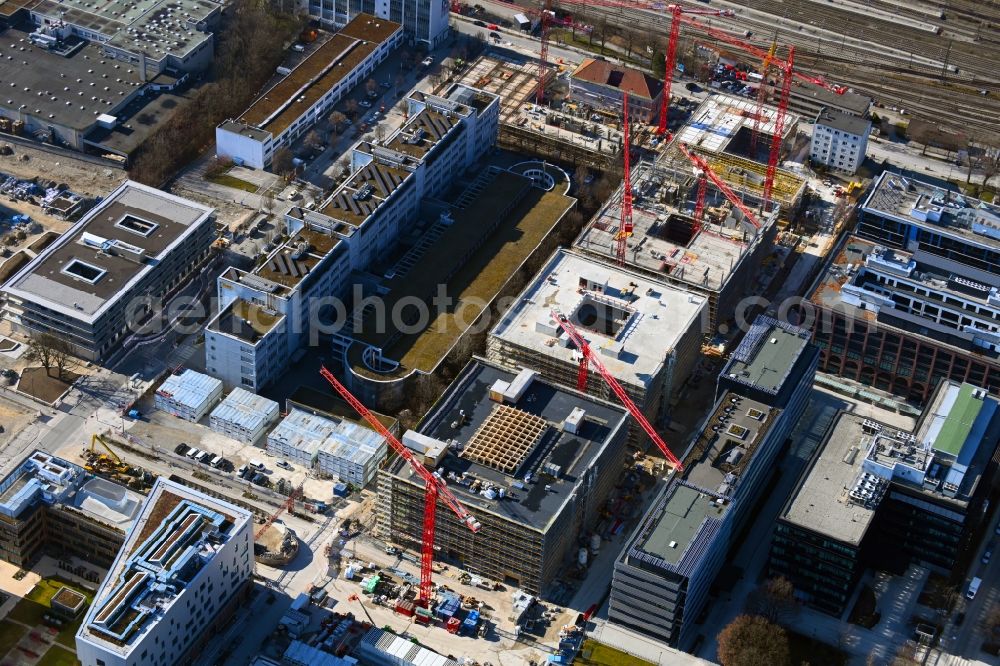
974 587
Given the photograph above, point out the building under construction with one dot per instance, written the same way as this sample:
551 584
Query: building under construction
532 461
567 135
647 335
719 256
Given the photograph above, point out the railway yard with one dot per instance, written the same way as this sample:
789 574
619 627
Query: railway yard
932 60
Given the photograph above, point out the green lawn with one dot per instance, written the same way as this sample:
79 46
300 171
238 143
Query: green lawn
30 610
599 654
232 181
58 656
805 649
10 634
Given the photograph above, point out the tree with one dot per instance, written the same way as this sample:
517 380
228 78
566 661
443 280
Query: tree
337 120
371 86
48 350
750 640
774 600
380 132
267 202
313 141
351 106
282 163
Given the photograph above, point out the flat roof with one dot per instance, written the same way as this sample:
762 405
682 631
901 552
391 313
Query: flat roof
962 414
936 209
245 409
342 438
664 241
318 74
178 532
851 101
715 122
66 91
767 354
536 503
291 262
133 222
844 122
855 280
728 443
492 232
678 530
189 388
820 502
245 320
40 476
632 322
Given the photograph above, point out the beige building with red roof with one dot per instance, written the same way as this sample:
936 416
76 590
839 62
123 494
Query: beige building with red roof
601 84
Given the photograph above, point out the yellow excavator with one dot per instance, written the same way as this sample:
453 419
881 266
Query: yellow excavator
111 460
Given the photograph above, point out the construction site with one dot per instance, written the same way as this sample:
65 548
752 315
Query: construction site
568 134
648 335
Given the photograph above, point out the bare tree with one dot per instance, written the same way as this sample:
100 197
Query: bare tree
313 141
774 600
48 350
371 86
267 202
337 120
282 163
351 107
380 132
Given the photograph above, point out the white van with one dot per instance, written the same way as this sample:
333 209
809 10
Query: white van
255 464
194 453
974 587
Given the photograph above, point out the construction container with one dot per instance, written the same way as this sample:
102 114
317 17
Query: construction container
453 625
407 608
449 607
471 622
423 616
18 127
340 490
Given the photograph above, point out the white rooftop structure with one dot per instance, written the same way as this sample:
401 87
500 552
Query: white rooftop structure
244 415
188 395
718 119
631 322
301 431
382 647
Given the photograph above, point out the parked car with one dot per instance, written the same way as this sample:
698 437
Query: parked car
481 24
365 104
182 449
987 555
284 465
194 453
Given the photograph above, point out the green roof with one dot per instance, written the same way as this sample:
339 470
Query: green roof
771 363
682 517
957 425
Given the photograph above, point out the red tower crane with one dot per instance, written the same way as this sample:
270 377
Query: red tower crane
625 227
676 17
761 96
287 506
788 72
616 388
721 184
434 487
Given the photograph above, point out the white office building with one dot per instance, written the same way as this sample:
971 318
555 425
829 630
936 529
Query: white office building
839 141
424 21
181 574
308 93
266 315
244 416
188 395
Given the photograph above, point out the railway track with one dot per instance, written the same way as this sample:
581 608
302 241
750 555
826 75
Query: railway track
947 71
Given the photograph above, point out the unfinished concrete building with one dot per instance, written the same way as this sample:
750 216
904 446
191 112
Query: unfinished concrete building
533 461
648 335
718 258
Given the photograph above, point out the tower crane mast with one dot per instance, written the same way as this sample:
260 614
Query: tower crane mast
434 487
